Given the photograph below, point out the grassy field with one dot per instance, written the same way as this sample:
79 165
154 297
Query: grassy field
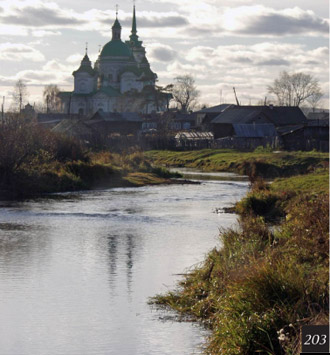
271 274
265 164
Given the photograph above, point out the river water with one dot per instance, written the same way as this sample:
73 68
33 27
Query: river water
76 270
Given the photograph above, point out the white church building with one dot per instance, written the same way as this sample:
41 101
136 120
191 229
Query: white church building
120 81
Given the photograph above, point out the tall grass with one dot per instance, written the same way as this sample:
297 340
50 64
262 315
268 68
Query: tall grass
263 284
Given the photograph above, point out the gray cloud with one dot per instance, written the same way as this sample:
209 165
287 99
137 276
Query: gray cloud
274 62
39 17
241 60
279 24
150 22
163 54
195 31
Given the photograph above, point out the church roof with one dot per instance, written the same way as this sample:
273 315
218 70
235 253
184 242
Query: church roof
116 48
116 24
85 67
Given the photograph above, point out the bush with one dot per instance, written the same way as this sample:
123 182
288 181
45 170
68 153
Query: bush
262 149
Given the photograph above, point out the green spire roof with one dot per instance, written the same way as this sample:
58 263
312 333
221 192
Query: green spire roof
134 38
116 24
85 67
134 22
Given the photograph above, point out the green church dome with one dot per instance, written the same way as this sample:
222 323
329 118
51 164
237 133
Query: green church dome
116 48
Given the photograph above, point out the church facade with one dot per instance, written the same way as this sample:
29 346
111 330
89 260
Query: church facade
120 81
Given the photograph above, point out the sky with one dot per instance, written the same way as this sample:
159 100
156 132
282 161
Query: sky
221 43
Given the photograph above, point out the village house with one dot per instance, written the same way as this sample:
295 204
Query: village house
280 116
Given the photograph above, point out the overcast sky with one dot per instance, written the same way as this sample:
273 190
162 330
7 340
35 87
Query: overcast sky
222 43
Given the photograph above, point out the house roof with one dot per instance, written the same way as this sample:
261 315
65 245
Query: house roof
46 117
214 109
278 115
255 130
283 115
240 114
283 131
74 127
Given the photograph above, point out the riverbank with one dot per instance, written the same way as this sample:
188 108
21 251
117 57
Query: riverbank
95 170
270 275
259 163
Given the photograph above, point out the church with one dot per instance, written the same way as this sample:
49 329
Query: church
120 81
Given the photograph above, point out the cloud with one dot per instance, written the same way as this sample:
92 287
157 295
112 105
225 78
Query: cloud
156 21
44 33
160 52
259 20
41 16
275 62
18 52
250 68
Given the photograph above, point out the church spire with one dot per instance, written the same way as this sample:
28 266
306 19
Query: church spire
134 38
134 22
116 28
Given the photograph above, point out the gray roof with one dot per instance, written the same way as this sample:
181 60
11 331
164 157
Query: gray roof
45 117
255 130
214 109
241 114
282 131
278 115
74 127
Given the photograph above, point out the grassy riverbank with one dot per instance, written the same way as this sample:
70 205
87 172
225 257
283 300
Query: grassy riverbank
260 163
96 170
35 160
270 275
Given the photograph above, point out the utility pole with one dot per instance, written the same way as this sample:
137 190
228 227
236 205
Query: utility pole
3 110
236 97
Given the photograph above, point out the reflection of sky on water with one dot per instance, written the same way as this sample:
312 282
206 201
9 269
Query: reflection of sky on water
76 273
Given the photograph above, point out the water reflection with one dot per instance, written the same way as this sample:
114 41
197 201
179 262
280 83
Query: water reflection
76 273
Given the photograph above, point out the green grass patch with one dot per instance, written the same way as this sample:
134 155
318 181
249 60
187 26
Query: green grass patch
264 164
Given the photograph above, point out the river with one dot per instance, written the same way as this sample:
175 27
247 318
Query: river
76 270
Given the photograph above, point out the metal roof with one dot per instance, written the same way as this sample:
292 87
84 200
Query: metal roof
194 135
278 115
214 109
255 130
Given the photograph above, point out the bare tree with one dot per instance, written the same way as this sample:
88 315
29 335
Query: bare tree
51 98
19 95
185 93
294 89
314 99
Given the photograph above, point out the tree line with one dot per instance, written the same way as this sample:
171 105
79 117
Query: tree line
294 89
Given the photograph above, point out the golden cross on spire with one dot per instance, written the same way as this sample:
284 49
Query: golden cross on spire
86 47
117 10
